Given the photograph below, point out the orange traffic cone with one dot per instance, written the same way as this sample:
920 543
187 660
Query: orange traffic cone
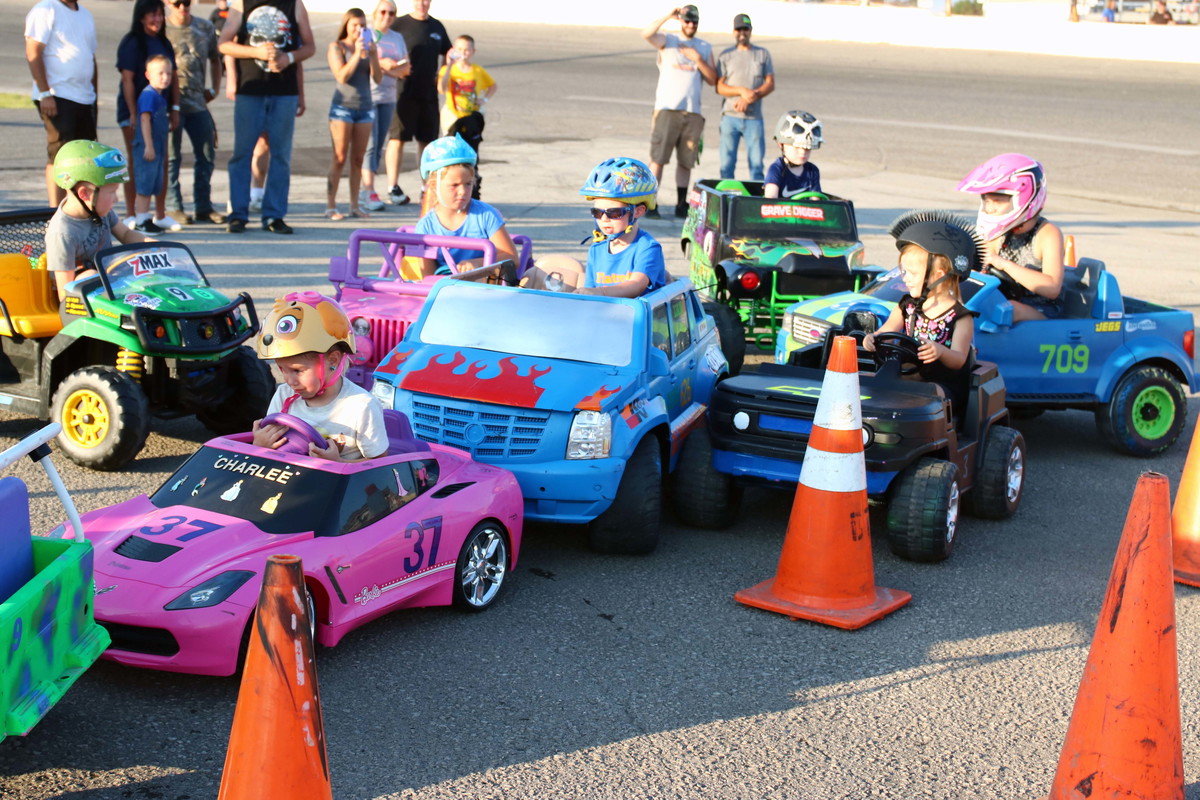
1185 519
825 571
277 746
1069 251
1124 738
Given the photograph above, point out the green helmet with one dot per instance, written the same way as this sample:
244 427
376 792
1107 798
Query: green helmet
83 160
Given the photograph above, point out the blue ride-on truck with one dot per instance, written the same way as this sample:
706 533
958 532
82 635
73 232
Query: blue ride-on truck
1125 359
590 401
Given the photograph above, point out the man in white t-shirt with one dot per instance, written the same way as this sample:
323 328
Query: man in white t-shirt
685 63
60 46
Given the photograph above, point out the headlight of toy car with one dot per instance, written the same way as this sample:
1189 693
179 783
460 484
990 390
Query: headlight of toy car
591 435
385 393
212 591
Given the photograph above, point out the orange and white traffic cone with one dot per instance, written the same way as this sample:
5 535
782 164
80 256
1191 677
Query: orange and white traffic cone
277 745
1069 251
825 571
1124 738
1185 519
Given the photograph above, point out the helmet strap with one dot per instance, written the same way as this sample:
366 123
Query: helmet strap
89 209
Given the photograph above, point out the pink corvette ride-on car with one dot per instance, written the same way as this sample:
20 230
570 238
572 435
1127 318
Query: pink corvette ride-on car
178 573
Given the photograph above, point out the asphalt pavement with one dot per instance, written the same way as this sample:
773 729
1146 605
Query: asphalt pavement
607 677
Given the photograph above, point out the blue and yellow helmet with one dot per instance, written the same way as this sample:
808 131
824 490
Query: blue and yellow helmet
624 179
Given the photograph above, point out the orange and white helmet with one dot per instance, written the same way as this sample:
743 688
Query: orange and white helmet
304 322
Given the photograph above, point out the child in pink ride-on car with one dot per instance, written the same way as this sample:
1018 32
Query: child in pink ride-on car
310 339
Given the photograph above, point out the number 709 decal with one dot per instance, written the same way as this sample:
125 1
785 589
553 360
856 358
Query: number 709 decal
1065 358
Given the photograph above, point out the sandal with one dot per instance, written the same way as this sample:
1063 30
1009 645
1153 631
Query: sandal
334 214
358 213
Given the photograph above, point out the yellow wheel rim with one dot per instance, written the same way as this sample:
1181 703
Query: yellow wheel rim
85 418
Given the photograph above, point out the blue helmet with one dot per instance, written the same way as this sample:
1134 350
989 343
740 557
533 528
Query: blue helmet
621 178
445 152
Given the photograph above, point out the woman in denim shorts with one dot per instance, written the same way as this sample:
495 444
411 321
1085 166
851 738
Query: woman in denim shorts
354 62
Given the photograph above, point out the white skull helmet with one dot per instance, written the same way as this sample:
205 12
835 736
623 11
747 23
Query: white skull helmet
267 24
799 129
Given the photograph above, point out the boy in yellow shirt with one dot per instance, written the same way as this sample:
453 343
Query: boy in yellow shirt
465 86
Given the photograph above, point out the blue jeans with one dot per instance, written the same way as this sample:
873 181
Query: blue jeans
201 131
379 135
733 130
274 115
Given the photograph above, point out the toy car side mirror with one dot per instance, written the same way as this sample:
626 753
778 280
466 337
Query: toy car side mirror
659 365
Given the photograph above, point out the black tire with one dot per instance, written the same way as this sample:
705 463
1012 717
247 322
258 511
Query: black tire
731 332
253 388
701 496
482 566
922 519
1000 479
105 417
1146 414
630 525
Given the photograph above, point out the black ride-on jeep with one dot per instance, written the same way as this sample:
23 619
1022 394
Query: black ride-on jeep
147 335
921 459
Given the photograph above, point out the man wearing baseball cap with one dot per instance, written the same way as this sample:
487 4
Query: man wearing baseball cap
745 76
683 62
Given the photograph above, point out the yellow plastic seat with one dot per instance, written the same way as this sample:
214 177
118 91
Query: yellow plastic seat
29 296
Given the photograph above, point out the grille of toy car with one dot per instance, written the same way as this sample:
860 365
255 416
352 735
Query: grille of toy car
809 330
385 335
136 639
506 433
24 232
139 549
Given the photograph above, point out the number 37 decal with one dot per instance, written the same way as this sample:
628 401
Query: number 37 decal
1065 358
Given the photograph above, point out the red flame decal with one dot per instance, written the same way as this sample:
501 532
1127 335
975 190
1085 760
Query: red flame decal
391 365
509 388
593 401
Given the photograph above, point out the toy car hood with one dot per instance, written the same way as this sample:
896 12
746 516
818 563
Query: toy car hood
521 381
135 540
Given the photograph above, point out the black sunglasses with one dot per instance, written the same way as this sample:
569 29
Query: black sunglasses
611 213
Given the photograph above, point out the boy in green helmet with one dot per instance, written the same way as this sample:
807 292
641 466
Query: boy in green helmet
85 222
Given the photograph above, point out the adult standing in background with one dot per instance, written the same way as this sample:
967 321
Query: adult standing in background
268 39
393 58
684 65
60 47
745 76
197 59
417 112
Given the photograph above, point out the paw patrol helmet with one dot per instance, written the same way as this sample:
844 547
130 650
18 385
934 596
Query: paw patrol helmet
304 322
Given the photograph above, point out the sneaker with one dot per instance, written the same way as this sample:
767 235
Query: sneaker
276 225
370 202
652 213
396 196
168 223
129 222
148 227
215 217
236 225
188 219
255 205
681 211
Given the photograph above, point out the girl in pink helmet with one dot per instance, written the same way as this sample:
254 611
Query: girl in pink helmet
1024 250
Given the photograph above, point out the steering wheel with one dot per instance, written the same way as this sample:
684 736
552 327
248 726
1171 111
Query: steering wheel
1007 282
809 196
300 436
898 347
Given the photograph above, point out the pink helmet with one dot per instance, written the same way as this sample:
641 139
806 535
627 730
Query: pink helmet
1013 174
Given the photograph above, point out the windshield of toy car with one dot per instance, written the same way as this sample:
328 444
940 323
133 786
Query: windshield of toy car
161 265
778 218
889 287
273 495
525 323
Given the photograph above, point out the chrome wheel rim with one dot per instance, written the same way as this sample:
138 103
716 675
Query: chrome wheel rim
485 567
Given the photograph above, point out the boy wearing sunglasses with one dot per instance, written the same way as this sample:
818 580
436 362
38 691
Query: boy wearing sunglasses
623 261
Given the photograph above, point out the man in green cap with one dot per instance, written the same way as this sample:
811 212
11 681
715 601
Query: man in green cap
745 76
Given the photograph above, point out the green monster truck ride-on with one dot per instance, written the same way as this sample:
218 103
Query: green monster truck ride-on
751 257
146 335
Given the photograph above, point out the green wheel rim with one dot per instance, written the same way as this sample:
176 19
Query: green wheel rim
1153 412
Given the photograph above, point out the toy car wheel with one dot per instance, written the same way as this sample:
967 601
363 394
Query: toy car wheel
105 417
253 389
1001 476
703 497
731 333
1146 414
482 565
922 517
630 525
